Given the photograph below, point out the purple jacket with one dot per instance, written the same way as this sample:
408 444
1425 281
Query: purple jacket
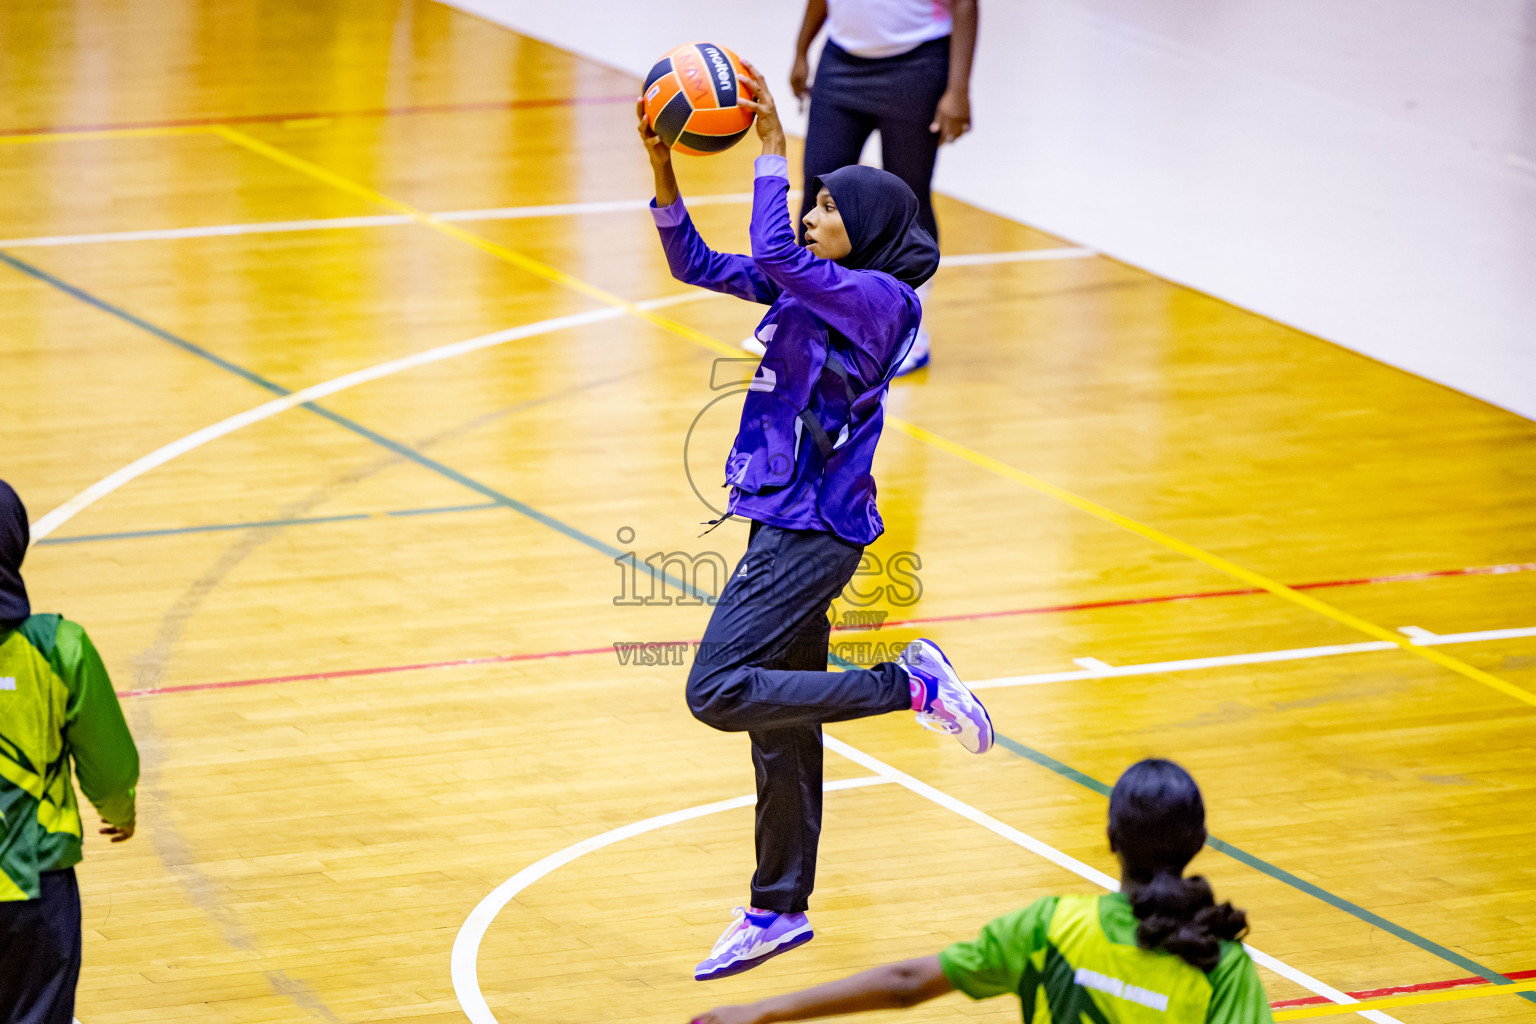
834 336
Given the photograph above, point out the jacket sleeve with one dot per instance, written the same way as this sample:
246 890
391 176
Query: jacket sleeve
1237 995
864 306
695 263
95 732
995 962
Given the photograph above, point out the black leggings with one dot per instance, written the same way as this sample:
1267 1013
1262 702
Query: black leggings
40 953
854 96
762 669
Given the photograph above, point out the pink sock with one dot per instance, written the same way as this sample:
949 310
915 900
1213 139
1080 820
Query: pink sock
919 691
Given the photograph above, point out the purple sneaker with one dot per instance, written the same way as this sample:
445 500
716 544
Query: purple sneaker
947 705
753 937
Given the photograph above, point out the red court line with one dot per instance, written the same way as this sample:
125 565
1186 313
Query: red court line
434 108
1480 570
1397 990
1407 577
347 673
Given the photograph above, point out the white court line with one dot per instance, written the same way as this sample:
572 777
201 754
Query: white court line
1183 665
612 206
160 456
1093 668
975 259
271 227
94 493
1428 639
380 220
275 227
466 945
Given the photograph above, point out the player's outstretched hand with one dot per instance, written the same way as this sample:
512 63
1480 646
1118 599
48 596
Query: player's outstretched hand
654 148
768 127
729 1015
119 833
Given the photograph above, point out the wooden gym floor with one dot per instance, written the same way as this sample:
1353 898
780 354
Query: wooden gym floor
367 645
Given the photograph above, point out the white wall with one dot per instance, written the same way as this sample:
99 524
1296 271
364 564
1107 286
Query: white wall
1362 169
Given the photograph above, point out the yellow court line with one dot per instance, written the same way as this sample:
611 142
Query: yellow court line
107 133
1152 533
1232 569
1415 999
523 262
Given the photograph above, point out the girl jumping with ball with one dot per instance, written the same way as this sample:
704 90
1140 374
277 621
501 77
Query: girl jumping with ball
842 313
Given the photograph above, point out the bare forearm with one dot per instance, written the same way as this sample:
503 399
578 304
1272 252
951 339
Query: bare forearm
815 17
666 183
962 44
891 987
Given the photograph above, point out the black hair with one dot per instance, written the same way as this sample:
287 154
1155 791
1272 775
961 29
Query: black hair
15 534
1157 825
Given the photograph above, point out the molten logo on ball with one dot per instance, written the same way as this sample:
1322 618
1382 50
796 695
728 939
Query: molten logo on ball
690 99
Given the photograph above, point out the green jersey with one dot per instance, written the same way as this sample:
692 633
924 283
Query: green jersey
56 705
1074 960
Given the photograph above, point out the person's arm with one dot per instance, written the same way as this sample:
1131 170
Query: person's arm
849 301
800 74
1237 995
892 987
952 118
688 257
97 736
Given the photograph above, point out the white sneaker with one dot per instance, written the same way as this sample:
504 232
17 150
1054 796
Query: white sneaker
917 355
948 705
754 936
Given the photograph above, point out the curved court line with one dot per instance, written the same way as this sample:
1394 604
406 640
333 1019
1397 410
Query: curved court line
100 489
1015 747
1037 484
466 945
464 971
555 275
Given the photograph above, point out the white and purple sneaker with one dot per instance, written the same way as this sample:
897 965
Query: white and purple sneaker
942 702
755 936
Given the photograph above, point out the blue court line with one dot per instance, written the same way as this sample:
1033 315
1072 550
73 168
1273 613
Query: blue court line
1259 864
1044 760
81 538
399 448
1278 873
255 524
440 509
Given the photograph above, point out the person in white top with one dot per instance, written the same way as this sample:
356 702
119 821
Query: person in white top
902 67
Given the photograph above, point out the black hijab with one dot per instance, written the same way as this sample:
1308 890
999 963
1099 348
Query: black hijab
14 537
880 214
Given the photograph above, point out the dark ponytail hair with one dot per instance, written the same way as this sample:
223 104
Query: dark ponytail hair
1157 825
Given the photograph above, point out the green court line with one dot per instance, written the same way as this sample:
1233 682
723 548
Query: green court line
441 509
255 524
1278 873
1039 758
399 448
81 538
